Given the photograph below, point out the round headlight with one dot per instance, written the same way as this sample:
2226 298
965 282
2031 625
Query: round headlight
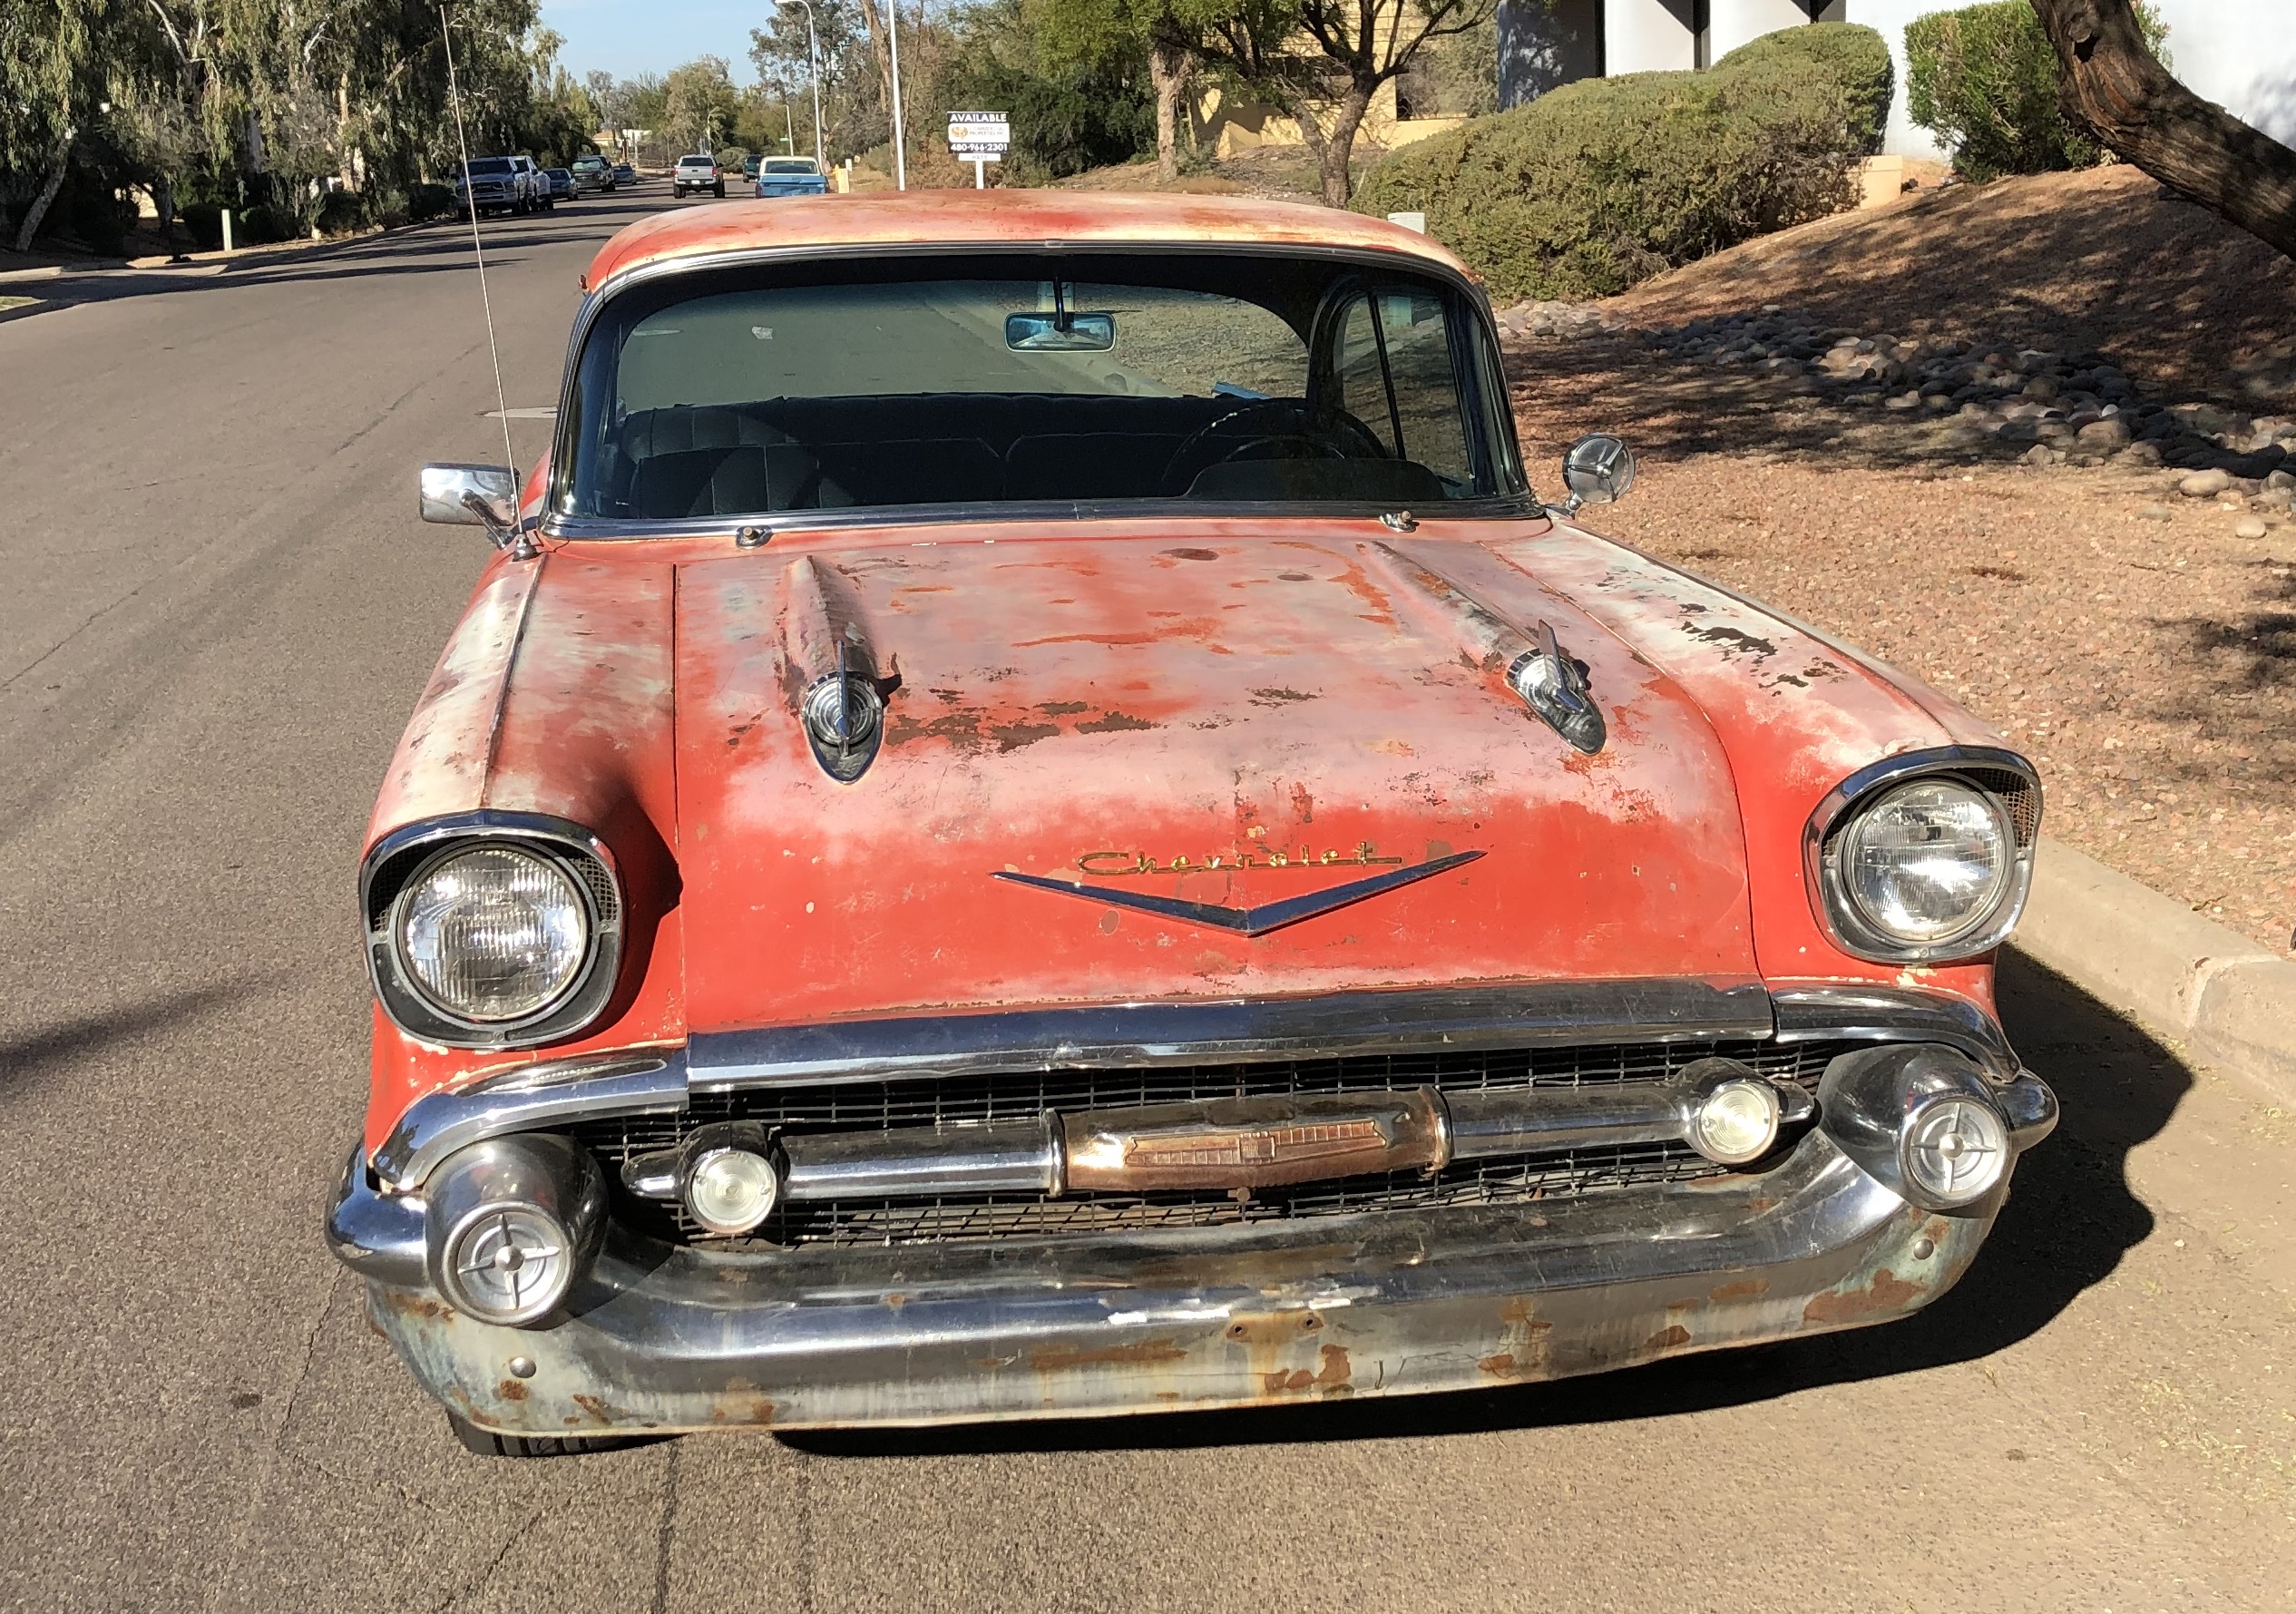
1927 862
492 933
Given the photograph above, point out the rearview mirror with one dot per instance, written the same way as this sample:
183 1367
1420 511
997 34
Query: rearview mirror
470 497
1598 470
1044 333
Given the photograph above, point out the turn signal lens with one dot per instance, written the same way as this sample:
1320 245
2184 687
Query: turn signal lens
731 1190
1954 1150
1737 1123
493 934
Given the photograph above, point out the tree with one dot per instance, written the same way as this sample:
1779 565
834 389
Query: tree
1170 34
2115 84
700 103
1324 61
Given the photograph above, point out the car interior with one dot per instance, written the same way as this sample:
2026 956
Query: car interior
1373 425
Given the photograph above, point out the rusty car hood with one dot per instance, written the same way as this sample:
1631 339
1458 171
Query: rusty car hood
1211 715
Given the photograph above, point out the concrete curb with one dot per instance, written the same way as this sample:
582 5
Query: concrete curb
2231 1002
37 306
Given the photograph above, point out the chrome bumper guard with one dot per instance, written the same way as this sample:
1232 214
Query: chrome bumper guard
663 1338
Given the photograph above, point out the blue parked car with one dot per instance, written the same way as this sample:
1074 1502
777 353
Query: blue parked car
791 176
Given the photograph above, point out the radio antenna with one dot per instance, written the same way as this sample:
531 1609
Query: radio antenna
470 194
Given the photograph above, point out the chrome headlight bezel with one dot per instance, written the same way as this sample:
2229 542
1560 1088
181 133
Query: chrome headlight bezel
400 859
2004 780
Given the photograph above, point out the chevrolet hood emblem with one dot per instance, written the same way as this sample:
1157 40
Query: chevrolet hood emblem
1250 922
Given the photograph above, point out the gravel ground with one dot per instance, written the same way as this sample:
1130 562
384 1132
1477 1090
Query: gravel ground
2119 632
2134 631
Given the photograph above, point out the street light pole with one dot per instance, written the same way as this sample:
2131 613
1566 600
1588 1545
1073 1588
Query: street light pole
813 55
900 136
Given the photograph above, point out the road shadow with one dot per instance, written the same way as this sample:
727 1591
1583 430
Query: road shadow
2068 1222
27 1056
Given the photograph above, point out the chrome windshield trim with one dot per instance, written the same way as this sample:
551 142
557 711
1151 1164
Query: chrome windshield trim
1513 507
1876 1013
1114 1036
643 1082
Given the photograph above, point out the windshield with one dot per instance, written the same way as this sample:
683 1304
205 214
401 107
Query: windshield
697 162
1077 379
789 165
487 167
589 162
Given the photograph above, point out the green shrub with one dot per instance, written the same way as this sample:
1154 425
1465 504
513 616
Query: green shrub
344 212
1983 80
1607 181
203 222
427 201
258 224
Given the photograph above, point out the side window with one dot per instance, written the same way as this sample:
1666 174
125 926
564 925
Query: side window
1394 373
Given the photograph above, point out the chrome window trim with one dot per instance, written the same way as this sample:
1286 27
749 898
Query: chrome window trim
413 845
1836 916
653 1081
1508 505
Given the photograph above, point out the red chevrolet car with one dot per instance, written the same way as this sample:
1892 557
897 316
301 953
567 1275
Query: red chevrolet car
1033 818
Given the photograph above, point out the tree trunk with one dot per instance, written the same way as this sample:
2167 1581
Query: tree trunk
47 193
882 51
2119 89
1335 149
1168 72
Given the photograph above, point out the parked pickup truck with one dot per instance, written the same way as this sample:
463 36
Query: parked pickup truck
502 185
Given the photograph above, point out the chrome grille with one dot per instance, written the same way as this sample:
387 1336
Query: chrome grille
1019 1095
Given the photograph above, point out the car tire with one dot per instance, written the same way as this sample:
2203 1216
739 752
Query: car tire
487 1443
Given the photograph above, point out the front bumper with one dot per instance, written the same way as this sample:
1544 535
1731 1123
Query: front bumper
662 1338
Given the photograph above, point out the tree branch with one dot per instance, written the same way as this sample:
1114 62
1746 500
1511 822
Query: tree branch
2118 88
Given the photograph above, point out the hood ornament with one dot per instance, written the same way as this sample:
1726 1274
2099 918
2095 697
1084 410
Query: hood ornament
1250 922
830 671
1553 683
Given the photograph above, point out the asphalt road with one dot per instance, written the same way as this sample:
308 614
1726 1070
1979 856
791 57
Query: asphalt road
215 609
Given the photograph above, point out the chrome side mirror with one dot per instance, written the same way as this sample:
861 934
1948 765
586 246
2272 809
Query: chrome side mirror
1598 470
471 496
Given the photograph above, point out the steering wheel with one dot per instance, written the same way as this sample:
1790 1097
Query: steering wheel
1271 424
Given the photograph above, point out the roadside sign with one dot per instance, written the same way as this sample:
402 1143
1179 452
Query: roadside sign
987 135
980 138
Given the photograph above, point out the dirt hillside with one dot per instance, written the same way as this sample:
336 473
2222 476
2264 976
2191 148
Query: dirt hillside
2023 440
2104 260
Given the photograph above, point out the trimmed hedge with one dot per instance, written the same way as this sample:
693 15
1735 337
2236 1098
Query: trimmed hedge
1983 80
1605 183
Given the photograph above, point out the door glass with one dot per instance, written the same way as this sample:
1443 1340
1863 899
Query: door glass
1395 375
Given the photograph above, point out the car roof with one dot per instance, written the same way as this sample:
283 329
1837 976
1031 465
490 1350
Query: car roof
1002 218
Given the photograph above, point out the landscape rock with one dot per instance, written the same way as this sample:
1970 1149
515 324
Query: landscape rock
2110 432
2139 454
2205 484
2250 526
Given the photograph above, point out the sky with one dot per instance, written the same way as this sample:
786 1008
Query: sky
627 37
